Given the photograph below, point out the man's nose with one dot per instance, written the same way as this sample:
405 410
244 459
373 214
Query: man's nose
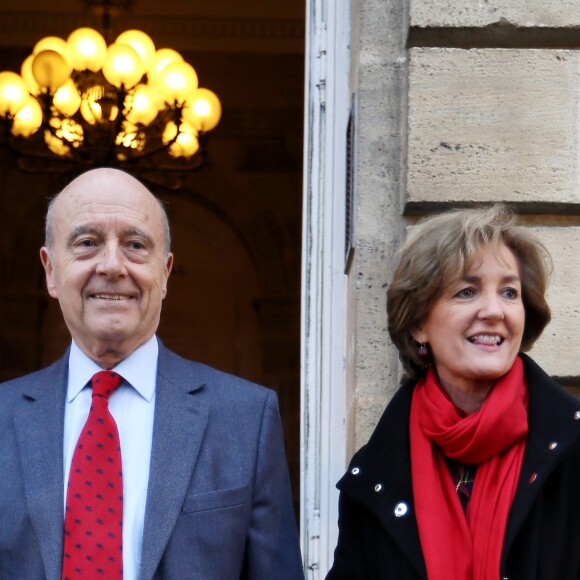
111 260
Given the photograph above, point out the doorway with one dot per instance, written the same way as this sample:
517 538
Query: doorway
234 295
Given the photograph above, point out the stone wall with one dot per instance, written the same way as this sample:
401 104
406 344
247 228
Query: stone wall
380 87
462 103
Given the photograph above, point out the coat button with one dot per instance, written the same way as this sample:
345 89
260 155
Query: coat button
533 477
401 509
378 487
355 470
553 445
577 415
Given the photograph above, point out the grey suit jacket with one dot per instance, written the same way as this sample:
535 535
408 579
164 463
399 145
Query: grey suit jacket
218 505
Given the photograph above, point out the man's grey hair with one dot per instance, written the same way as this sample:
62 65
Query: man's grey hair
49 237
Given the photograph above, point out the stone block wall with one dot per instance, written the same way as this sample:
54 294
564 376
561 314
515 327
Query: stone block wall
486 108
379 227
521 13
493 125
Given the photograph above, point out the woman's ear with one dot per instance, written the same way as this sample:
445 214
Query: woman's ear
418 335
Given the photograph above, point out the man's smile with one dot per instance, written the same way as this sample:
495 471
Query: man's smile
111 297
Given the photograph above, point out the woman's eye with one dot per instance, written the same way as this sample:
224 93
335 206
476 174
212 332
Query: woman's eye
466 293
511 293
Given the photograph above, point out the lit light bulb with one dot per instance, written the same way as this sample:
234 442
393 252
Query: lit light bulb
67 99
26 74
55 44
142 44
163 57
203 111
123 67
177 82
28 119
50 70
13 93
88 49
182 141
144 105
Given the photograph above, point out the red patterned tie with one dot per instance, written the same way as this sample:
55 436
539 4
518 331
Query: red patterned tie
93 524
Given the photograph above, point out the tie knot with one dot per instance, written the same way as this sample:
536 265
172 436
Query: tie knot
105 382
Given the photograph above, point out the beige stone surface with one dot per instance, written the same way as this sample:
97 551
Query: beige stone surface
558 349
529 13
381 75
493 124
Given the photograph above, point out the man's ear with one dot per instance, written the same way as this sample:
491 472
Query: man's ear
48 266
169 263
168 266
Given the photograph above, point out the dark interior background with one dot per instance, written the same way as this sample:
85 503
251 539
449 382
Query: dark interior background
234 294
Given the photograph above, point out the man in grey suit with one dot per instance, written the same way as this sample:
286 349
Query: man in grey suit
206 493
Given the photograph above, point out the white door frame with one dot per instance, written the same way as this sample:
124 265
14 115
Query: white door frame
323 318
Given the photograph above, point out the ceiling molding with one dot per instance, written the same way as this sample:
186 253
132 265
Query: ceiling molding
24 29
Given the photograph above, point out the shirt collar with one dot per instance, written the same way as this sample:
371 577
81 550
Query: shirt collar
139 369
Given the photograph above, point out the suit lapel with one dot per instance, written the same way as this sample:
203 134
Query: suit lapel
179 424
39 430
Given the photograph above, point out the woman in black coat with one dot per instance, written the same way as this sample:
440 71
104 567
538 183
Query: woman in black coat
473 471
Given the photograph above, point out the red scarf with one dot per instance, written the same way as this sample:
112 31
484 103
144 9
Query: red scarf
457 547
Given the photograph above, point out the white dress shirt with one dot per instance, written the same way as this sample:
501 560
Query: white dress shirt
132 406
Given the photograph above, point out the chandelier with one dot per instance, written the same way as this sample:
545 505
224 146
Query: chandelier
79 103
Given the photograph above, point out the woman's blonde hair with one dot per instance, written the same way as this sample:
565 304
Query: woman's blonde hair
436 255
